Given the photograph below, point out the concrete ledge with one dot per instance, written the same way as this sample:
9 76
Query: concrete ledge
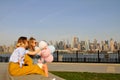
4 75
33 77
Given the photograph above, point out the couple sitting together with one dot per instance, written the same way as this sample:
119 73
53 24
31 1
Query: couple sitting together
21 62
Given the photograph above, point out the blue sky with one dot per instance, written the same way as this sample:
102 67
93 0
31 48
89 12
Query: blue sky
59 19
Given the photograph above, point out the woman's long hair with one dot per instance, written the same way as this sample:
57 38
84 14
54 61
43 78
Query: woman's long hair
21 41
31 40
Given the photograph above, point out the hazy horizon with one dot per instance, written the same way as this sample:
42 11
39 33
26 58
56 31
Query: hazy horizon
59 20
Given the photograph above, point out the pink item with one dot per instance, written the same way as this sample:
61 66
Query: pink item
46 52
46 55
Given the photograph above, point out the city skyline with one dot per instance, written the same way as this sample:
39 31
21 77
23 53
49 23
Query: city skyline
109 46
59 20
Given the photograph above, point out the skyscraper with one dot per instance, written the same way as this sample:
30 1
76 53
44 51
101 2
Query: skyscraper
75 42
95 44
87 45
111 44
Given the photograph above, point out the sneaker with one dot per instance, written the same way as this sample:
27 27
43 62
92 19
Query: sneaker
53 79
40 65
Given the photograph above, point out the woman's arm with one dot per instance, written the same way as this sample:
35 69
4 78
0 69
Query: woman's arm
33 52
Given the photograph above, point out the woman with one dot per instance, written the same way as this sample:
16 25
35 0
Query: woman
32 47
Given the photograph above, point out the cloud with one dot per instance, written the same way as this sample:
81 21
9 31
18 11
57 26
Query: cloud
51 15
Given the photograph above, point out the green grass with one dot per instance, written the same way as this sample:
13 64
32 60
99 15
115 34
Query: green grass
86 76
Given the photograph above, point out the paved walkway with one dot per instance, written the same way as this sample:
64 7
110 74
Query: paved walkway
74 67
85 67
3 70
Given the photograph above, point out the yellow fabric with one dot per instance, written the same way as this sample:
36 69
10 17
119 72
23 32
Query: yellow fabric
15 70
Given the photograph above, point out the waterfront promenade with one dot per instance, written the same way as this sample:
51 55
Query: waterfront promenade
85 67
74 67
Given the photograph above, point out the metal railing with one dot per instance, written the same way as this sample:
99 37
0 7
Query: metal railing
98 57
